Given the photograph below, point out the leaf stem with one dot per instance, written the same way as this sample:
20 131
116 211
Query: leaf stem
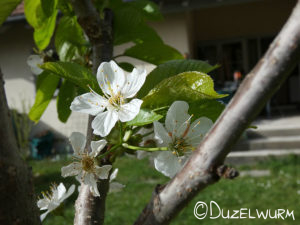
125 145
109 151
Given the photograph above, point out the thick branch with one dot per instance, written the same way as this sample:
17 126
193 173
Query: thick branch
256 89
17 198
89 209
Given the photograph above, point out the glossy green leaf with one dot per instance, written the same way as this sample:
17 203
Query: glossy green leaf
188 86
6 8
172 68
75 73
126 66
66 95
47 84
42 35
149 9
48 7
208 108
31 8
129 25
153 52
69 39
144 117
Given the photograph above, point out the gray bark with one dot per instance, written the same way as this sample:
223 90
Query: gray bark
17 198
258 86
89 209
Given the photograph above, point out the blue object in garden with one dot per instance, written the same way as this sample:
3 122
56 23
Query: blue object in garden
41 146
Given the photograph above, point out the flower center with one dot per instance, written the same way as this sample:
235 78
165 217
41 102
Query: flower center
179 146
116 100
87 163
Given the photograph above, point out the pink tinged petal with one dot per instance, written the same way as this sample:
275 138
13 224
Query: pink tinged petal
71 170
97 146
90 103
134 82
78 142
177 118
43 203
167 163
113 175
61 190
198 130
104 122
103 171
43 216
129 110
115 187
110 77
161 135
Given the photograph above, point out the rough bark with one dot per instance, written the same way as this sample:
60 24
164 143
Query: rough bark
17 198
89 209
258 86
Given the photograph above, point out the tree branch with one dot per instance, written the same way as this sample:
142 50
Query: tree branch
17 198
258 86
89 209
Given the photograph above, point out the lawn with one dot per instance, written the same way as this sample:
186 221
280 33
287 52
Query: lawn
280 190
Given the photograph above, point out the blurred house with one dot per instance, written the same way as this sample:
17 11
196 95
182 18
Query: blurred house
232 33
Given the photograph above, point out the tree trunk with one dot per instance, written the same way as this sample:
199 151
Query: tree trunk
17 198
89 209
258 86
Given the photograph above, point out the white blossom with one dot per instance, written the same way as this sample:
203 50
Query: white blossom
52 200
115 186
34 61
116 87
85 167
180 136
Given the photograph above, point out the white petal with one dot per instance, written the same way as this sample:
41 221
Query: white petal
43 203
71 170
160 134
110 77
167 163
134 82
113 175
43 216
103 171
104 122
197 130
90 103
90 180
115 187
177 118
70 192
78 141
33 61
97 146
129 110
61 190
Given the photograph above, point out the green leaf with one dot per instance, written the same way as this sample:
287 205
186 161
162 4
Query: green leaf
126 66
75 73
188 86
208 108
69 39
42 35
144 117
129 25
6 8
153 52
31 7
149 9
47 84
172 68
48 6
66 95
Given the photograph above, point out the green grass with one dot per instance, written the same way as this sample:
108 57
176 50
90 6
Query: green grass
278 191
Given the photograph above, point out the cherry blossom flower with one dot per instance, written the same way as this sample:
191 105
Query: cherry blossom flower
85 167
180 136
53 200
34 61
115 186
116 87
